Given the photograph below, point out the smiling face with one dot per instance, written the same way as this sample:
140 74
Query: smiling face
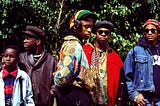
151 34
10 58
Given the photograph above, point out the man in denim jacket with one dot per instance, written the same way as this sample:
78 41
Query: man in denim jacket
142 67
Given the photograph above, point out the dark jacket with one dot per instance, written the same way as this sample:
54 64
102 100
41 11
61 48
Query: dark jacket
40 73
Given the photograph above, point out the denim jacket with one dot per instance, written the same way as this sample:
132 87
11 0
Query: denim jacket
138 71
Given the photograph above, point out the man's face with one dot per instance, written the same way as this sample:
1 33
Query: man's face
30 42
102 35
151 33
87 26
10 57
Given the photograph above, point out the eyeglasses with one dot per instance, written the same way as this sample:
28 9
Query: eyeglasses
152 30
103 31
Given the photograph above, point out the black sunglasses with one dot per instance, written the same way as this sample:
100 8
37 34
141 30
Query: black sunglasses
152 30
103 31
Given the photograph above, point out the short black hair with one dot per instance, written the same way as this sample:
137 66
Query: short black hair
16 48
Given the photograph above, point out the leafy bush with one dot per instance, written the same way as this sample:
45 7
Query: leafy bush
53 16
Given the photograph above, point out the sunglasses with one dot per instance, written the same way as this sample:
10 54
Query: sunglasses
103 31
152 30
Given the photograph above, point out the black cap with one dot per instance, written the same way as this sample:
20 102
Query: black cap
104 24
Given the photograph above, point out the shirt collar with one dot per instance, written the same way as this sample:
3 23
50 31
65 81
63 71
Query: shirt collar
6 73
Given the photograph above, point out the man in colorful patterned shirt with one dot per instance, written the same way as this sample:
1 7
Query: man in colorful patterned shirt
106 69
72 61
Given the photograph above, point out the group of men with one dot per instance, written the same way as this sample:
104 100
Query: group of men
92 74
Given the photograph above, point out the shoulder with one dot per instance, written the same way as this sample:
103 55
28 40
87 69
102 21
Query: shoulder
51 58
71 47
114 57
88 47
23 74
49 54
114 54
23 54
137 49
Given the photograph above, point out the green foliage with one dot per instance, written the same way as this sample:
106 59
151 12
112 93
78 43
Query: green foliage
53 16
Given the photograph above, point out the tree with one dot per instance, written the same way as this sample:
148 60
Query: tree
53 16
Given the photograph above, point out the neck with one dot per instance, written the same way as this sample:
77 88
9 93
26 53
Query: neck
79 37
153 43
101 46
36 51
11 69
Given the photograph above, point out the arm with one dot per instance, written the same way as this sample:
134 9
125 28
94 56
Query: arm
129 69
69 65
29 93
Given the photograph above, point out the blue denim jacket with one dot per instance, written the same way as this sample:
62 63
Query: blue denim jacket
138 71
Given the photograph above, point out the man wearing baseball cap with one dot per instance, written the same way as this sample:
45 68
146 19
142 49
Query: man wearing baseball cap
142 67
39 64
105 67
72 87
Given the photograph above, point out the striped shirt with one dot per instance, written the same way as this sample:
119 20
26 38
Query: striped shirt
8 78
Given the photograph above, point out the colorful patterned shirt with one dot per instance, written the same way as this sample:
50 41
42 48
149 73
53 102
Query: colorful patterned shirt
72 62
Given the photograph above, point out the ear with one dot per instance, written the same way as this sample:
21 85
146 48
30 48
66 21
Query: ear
39 42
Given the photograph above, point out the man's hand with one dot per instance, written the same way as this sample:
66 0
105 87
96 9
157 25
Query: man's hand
140 100
54 90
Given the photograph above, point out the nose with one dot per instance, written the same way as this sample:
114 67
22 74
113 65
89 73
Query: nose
89 29
7 58
24 40
149 32
103 34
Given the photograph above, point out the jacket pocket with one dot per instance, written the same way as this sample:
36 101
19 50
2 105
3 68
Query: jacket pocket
141 71
141 59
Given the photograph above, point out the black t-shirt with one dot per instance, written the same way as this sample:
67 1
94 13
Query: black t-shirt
156 69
